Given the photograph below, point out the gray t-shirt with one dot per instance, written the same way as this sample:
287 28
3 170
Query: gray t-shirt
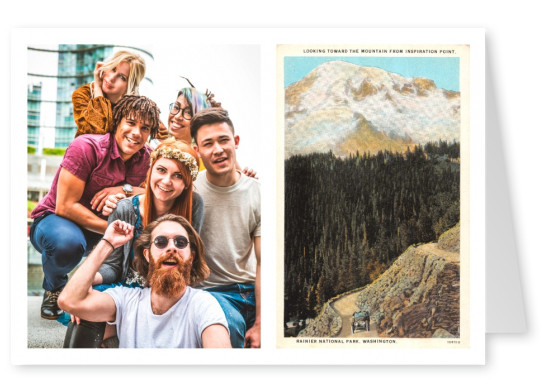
231 221
180 327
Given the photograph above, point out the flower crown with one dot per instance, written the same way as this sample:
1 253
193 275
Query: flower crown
173 153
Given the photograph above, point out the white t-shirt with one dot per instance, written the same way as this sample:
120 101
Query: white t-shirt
231 221
180 327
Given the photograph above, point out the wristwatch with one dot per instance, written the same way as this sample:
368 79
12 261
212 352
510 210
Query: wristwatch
127 189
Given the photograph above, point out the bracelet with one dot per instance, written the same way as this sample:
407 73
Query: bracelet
111 244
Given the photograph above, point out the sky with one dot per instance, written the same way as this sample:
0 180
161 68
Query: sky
231 72
444 71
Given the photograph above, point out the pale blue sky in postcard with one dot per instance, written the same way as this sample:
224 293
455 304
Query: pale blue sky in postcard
444 71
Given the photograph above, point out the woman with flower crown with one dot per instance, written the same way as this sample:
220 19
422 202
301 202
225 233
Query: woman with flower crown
169 189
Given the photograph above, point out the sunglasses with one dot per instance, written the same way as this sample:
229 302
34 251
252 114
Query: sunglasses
180 242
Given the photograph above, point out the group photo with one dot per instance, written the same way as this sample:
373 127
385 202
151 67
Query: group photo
143 214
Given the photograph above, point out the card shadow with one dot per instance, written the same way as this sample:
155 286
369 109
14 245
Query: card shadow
505 311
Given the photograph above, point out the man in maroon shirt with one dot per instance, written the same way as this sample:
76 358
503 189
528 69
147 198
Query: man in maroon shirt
68 222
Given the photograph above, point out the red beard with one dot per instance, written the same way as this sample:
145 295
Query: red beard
169 282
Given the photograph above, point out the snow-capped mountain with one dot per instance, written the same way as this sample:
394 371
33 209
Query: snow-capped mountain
344 107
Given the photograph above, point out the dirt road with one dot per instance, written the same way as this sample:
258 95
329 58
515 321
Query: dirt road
345 307
433 249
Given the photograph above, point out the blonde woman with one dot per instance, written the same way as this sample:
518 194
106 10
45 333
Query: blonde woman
119 75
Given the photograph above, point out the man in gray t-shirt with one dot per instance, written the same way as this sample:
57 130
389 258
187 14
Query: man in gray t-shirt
168 313
231 226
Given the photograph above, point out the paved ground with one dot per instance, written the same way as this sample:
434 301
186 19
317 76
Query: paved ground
42 333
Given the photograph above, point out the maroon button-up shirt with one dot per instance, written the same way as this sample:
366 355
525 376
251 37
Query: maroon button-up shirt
96 160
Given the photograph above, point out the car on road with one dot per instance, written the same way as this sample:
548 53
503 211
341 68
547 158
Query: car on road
360 321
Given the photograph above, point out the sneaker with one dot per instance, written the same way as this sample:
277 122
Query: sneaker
49 308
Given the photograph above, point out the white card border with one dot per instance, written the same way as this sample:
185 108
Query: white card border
268 354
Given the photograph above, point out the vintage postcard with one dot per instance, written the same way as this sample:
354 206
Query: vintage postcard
375 210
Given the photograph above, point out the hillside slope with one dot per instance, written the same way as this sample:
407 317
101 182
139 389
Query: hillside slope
417 297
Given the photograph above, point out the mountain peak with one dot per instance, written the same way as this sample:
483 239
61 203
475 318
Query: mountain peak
322 109
416 297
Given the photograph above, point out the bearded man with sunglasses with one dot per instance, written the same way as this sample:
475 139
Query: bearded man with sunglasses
167 313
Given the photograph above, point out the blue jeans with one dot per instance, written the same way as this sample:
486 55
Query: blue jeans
239 305
62 244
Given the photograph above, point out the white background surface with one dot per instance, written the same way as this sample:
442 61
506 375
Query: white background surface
517 58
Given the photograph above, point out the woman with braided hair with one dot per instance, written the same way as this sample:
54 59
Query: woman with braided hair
169 189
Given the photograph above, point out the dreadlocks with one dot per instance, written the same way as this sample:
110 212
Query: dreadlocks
139 107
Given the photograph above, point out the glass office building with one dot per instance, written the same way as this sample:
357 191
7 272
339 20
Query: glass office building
76 64
34 97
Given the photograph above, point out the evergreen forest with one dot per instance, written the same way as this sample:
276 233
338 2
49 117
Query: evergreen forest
347 219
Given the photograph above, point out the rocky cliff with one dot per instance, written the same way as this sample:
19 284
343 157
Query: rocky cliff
417 297
327 324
